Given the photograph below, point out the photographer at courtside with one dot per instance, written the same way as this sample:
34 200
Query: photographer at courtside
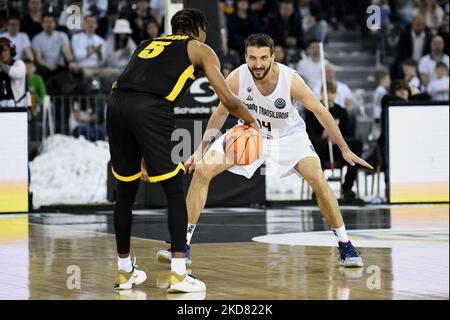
12 77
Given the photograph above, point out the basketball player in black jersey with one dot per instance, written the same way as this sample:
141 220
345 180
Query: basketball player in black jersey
140 123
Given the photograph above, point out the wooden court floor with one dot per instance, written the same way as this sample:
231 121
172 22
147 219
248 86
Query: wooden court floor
50 261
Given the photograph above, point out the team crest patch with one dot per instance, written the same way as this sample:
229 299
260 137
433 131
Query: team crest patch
280 103
249 89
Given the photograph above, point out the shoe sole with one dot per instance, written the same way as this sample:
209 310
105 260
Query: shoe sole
352 264
183 291
175 290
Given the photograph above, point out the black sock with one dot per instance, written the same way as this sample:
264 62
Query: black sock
177 211
126 193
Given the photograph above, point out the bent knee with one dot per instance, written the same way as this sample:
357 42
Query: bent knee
317 180
202 174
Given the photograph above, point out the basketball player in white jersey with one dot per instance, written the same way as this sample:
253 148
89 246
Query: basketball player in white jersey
269 89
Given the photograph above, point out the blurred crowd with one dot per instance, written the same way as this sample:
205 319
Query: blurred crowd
62 52
63 55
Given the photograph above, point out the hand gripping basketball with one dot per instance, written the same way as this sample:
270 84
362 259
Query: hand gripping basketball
242 145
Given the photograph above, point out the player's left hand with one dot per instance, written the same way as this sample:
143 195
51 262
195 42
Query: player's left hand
352 158
253 124
192 161
189 164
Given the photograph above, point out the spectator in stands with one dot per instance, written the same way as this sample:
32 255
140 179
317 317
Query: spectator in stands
242 23
12 76
280 54
83 121
313 19
411 75
36 86
438 88
31 22
319 138
444 32
351 14
139 20
385 11
263 9
120 46
52 50
310 68
106 24
384 82
158 8
5 12
222 15
427 64
414 43
96 8
432 14
404 11
285 26
344 95
333 12
20 39
153 29
231 58
87 49
54 7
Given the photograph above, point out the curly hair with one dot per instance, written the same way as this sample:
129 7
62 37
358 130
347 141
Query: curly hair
187 21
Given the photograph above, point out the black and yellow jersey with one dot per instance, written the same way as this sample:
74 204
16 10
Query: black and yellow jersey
161 67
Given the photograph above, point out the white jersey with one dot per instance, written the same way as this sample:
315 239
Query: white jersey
286 142
276 113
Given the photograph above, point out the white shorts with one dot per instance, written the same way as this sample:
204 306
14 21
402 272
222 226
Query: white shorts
280 154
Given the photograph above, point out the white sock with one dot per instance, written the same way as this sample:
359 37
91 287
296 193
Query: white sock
124 264
190 233
341 234
178 265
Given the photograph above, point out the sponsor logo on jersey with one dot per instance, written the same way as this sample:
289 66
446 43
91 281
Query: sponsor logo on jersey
249 98
280 103
267 112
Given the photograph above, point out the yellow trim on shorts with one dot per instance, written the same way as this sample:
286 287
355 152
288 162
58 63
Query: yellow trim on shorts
126 179
168 175
114 85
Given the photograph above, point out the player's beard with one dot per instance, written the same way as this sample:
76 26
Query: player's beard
263 75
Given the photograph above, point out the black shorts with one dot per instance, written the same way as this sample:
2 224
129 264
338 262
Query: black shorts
140 126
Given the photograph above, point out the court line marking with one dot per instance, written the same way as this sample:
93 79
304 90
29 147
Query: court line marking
368 238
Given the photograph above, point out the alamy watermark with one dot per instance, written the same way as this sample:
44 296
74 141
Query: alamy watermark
73 281
374 280
73 20
373 21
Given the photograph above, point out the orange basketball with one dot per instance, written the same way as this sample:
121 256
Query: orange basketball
242 145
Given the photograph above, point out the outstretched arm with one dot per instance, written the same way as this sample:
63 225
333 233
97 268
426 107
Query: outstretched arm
215 123
300 91
204 57
219 115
